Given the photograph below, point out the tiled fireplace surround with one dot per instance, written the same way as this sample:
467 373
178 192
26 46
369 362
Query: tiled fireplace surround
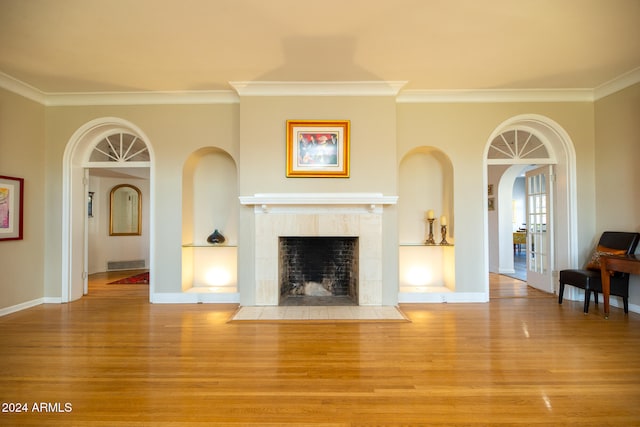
325 214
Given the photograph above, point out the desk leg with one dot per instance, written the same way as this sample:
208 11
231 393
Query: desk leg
605 275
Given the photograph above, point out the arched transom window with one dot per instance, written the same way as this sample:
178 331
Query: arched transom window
517 146
120 148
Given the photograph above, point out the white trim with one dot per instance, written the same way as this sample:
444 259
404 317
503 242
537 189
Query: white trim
21 88
194 298
318 199
62 99
442 297
496 95
89 132
355 88
330 88
21 306
551 159
536 123
617 84
142 98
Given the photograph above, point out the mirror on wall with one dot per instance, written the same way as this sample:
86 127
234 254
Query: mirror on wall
126 211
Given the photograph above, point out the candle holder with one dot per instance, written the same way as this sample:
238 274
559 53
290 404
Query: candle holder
443 231
430 240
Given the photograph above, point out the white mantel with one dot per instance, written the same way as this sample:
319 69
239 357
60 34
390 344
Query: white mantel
318 214
293 199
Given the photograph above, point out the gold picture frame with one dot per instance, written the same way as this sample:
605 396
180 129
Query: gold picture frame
318 148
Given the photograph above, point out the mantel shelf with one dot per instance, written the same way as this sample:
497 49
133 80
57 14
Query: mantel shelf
293 199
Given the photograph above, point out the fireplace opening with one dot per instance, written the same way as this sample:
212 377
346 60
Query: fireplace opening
318 270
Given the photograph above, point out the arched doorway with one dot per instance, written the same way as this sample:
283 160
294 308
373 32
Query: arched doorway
100 143
529 140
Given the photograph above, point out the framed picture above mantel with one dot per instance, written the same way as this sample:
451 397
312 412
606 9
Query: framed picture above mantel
318 148
11 204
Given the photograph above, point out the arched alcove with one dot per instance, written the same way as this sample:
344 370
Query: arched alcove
425 184
209 203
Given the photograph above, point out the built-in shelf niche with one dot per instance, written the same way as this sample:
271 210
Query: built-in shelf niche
425 183
209 202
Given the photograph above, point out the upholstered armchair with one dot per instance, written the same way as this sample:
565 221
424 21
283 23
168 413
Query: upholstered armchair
588 278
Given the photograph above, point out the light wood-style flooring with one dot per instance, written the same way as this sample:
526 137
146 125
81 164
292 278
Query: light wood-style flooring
113 359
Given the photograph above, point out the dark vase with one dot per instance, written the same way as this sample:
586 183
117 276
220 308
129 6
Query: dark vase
215 238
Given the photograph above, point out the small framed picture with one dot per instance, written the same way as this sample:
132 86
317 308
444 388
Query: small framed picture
318 148
490 190
491 204
11 207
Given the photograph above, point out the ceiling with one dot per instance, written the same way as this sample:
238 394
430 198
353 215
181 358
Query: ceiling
77 46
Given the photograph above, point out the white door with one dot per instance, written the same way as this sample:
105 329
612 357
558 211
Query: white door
85 242
540 228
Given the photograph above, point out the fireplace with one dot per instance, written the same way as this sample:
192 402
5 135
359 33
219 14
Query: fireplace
318 270
354 215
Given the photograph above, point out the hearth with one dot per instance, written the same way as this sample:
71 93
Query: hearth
318 270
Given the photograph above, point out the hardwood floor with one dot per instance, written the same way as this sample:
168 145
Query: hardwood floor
113 359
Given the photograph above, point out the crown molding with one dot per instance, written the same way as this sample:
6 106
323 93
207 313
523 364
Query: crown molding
345 88
617 84
20 88
496 95
53 99
142 98
355 88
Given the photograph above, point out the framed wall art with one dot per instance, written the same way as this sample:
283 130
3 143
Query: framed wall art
11 203
318 148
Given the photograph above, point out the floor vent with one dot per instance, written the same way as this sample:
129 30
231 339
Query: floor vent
125 265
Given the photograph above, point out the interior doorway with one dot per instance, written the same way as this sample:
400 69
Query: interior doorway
112 254
111 144
515 146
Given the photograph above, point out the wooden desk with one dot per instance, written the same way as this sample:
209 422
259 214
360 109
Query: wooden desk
519 238
609 264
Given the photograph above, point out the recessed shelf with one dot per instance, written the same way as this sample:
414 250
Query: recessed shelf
425 244
191 245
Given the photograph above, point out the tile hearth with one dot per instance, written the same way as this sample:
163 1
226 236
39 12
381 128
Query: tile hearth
319 313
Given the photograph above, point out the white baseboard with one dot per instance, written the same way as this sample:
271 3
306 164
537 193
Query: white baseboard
194 298
21 306
442 297
234 298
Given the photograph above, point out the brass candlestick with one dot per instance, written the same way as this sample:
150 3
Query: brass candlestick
430 240
443 231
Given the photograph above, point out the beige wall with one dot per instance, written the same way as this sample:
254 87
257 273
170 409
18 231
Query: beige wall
103 247
617 130
262 143
22 155
462 132
263 168
174 133
253 133
617 166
